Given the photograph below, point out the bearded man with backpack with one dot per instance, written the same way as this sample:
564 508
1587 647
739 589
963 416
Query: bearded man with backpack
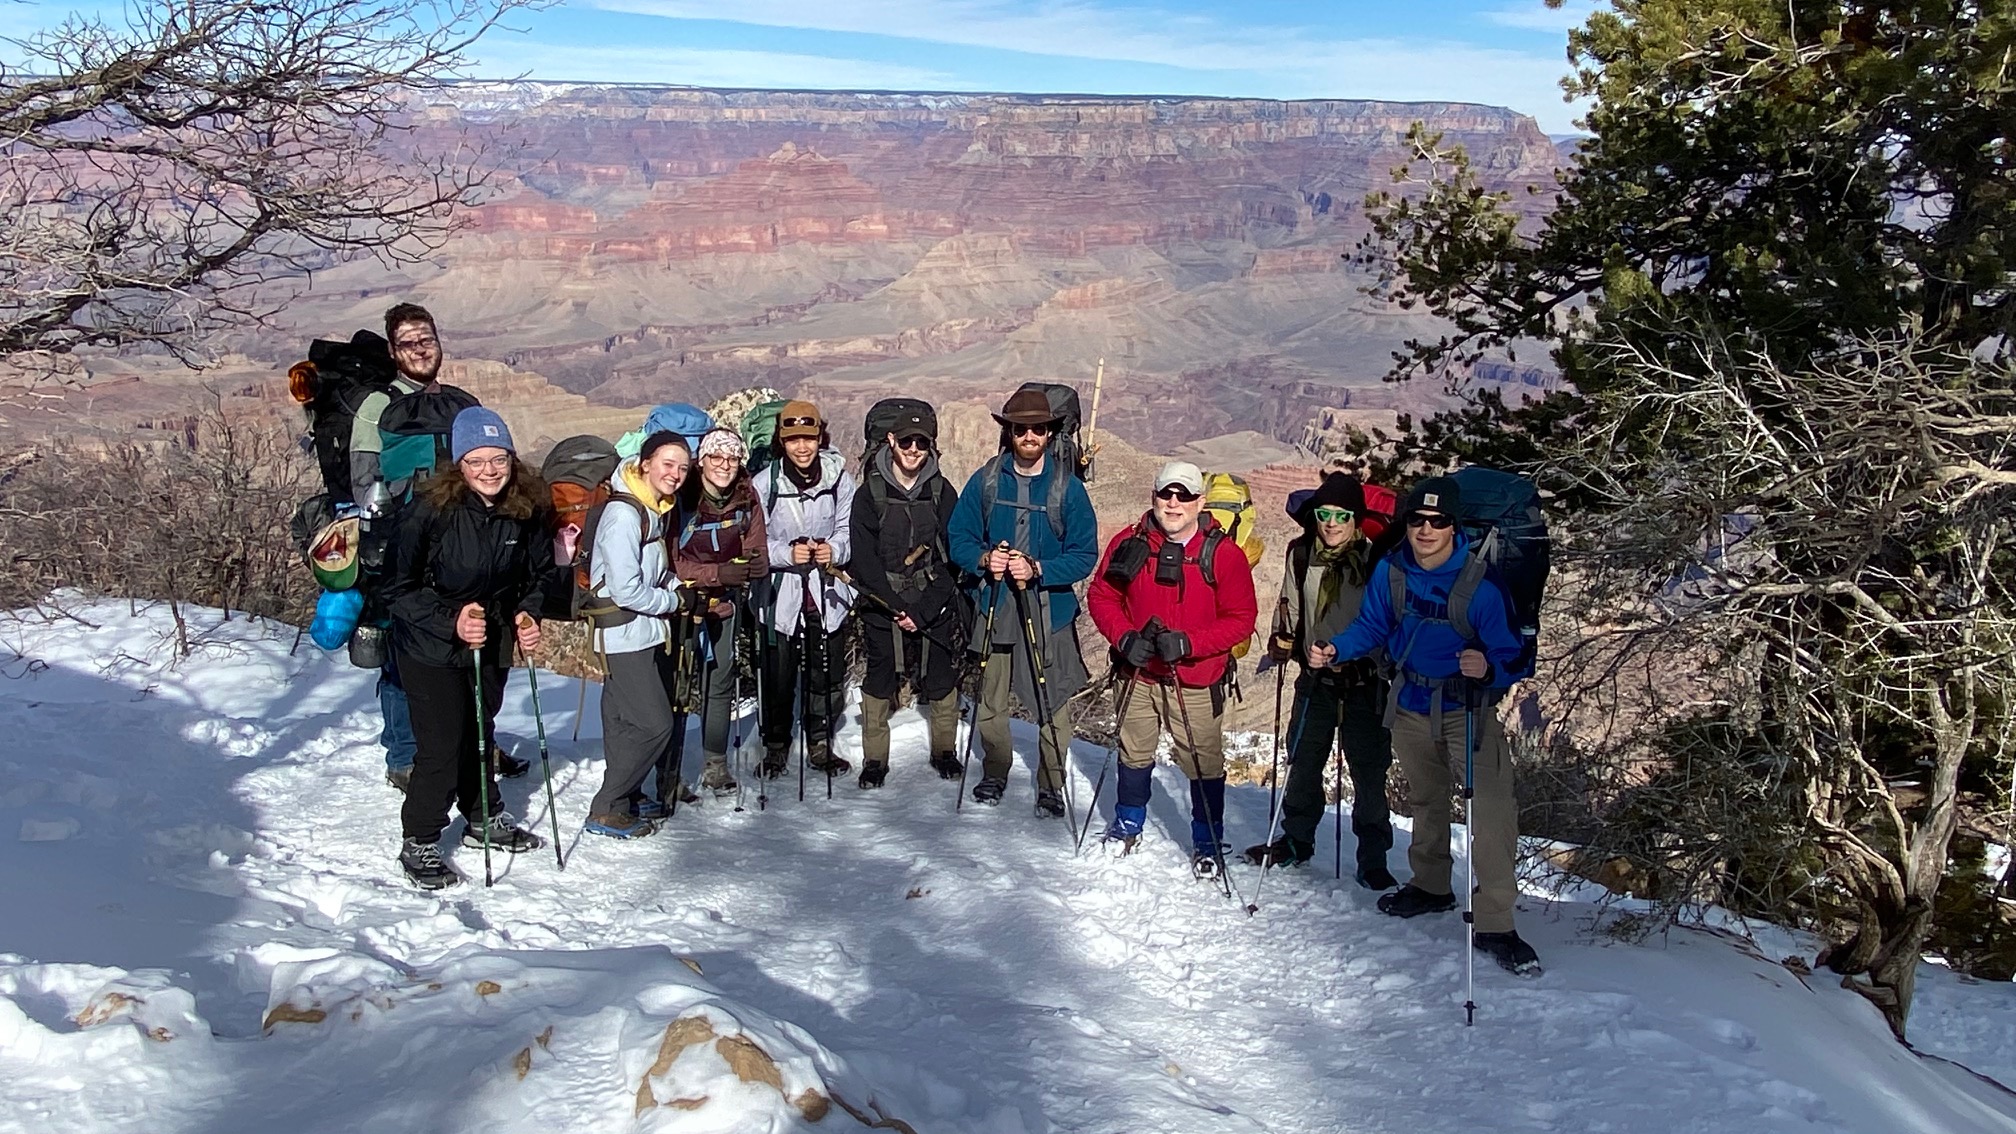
808 498
1174 596
1322 591
637 611
1025 528
899 535
1448 650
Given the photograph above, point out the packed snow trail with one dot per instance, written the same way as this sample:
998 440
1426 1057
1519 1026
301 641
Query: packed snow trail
189 851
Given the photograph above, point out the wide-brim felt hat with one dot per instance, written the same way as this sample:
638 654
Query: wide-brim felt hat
1027 407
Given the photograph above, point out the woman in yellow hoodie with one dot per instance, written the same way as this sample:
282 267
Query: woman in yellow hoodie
629 567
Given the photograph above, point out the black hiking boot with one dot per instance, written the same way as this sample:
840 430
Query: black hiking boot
1412 901
1375 876
873 772
1512 954
508 766
989 790
822 759
1050 803
399 778
505 835
424 866
1203 864
1283 851
946 765
776 761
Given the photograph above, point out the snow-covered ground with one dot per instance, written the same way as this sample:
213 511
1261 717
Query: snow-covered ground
202 929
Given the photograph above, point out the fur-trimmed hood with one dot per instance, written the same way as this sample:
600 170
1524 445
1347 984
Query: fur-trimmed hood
522 494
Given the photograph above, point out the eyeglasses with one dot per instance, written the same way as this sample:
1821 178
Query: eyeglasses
1042 430
1434 520
413 346
1177 492
1331 515
913 443
499 463
721 459
795 422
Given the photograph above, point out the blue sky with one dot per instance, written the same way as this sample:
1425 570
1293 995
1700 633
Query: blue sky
1504 52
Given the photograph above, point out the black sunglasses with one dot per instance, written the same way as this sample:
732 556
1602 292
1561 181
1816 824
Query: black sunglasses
1436 521
794 422
1042 430
913 442
1176 492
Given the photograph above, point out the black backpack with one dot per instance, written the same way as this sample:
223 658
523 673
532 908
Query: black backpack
1509 545
330 386
1065 449
884 418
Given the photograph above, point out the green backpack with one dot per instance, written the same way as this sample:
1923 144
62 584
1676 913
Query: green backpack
759 432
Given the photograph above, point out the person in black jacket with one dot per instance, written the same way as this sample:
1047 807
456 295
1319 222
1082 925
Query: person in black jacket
913 620
467 575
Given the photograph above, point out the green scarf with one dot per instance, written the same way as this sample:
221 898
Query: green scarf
1335 563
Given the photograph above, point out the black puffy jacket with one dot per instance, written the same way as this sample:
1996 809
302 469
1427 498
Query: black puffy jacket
450 549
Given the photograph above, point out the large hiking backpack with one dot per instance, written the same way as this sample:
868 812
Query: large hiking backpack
1510 546
758 428
577 473
889 415
687 420
1379 504
1065 450
1230 501
330 385
416 432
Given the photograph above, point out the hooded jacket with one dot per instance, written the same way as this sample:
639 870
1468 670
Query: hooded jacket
451 549
1420 640
1216 619
823 512
883 543
630 564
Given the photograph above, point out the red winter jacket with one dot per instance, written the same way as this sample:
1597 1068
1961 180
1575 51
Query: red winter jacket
1215 620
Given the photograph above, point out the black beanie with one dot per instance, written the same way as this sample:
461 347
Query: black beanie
1338 490
1437 493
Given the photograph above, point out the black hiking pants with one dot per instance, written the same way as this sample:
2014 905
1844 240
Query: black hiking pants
1326 714
825 682
448 769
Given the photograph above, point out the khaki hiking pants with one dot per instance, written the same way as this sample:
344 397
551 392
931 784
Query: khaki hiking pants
942 715
1197 729
1434 767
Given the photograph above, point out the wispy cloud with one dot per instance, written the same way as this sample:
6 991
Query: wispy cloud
705 68
1533 15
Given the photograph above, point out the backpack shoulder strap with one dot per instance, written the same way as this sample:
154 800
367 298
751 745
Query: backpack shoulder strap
1298 562
1464 591
1054 505
1396 579
1207 556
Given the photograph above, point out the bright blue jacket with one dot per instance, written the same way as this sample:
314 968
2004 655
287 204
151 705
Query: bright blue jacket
1421 639
1064 562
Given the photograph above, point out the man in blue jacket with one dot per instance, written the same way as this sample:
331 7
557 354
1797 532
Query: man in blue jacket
1436 674
1051 538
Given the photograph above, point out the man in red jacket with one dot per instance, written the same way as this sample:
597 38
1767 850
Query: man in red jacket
1174 595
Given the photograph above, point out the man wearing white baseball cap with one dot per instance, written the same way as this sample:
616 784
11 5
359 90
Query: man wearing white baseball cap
1174 595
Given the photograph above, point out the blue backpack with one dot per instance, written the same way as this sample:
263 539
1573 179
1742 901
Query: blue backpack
1510 546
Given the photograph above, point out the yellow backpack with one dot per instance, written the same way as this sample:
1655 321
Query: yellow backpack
1230 502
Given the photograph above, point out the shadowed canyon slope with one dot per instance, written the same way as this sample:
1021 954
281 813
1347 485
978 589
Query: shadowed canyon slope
650 244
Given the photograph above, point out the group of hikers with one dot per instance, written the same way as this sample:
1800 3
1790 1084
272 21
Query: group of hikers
697 562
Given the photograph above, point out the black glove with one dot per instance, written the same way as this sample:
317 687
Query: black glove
1281 648
1134 649
1173 646
734 573
685 600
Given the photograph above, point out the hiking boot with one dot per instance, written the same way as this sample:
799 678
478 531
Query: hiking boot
505 835
1283 851
424 867
1412 901
400 778
1126 827
776 761
873 772
1050 803
652 810
508 766
717 778
619 826
822 759
1203 864
990 789
946 765
1375 876
1512 954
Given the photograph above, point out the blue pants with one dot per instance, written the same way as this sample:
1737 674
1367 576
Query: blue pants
397 732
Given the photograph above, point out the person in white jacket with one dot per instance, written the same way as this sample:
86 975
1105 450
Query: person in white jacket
808 498
629 567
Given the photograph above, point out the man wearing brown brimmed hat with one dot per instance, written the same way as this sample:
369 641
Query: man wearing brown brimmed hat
1038 538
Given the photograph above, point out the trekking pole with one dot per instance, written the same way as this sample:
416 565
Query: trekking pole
545 763
1337 825
683 681
741 733
1274 772
1217 821
580 703
1300 721
1037 666
973 726
1469 857
804 703
482 763
756 656
1120 698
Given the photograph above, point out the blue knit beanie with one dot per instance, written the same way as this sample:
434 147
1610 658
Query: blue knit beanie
479 428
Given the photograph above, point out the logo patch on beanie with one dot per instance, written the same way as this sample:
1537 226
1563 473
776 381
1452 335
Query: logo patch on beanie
489 431
1431 500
